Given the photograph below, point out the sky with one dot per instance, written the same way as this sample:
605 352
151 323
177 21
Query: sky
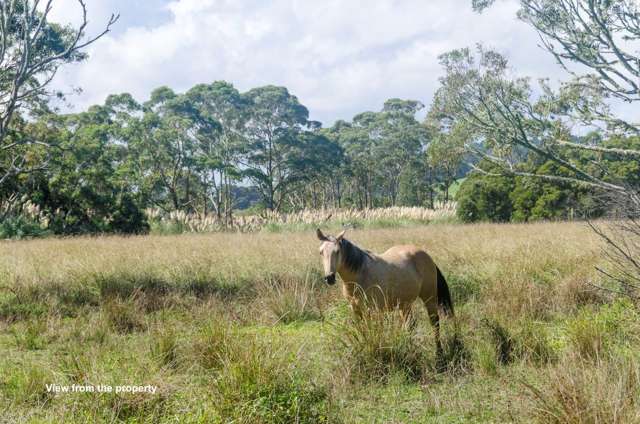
339 57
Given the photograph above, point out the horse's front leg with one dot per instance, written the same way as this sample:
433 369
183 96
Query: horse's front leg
407 317
356 307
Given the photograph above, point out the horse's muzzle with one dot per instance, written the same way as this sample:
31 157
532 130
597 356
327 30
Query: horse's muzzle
330 279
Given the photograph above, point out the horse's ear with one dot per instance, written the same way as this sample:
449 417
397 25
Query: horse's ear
321 236
341 235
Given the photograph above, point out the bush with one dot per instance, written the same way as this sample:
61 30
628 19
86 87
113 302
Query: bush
500 199
119 213
214 344
596 333
485 198
124 316
18 227
26 383
164 345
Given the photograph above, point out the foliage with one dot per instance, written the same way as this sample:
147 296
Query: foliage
32 49
491 195
385 162
258 385
485 199
381 345
20 227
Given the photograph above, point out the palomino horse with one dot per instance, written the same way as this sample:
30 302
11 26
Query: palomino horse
395 278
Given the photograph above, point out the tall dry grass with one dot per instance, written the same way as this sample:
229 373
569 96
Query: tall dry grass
520 270
579 392
182 222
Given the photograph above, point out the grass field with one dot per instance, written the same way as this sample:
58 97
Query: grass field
239 328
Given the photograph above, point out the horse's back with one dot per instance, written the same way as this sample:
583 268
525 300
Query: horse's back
416 266
406 254
398 272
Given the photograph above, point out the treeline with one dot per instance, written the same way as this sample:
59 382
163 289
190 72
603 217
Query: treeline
214 149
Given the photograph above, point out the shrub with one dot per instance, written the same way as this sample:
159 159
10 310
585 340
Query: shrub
455 357
587 336
533 342
505 343
213 343
483 198
26 383
594 333
502 340
30 336
19 227
164 345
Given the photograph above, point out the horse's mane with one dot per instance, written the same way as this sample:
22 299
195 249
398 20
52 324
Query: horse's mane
354 257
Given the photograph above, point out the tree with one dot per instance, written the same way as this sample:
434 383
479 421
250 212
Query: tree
167 148
358 167
598 34
401 145
32 49
319 162
221 112
600 37
445 155
87 186
276 122
384 149
501 120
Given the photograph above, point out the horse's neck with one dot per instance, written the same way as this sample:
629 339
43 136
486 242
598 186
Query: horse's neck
350 276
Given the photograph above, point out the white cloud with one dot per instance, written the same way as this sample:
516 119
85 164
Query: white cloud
338 57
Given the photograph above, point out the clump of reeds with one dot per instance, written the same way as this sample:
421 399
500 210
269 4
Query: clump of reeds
177 222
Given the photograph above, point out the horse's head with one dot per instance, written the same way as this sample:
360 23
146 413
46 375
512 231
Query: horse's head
330 255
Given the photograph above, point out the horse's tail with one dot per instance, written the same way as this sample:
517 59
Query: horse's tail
444 297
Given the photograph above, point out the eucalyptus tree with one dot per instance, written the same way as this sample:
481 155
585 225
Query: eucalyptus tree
275 124
599 35
596 43
167 150
347 174
400 151
319 162
359 167
32 49
221 113
382 148
502 121
445 155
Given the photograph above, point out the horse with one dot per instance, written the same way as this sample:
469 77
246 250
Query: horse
393 279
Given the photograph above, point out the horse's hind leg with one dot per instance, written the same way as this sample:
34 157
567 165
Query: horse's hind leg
432 309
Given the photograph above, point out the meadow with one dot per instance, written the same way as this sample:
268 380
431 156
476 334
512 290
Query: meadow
232 327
